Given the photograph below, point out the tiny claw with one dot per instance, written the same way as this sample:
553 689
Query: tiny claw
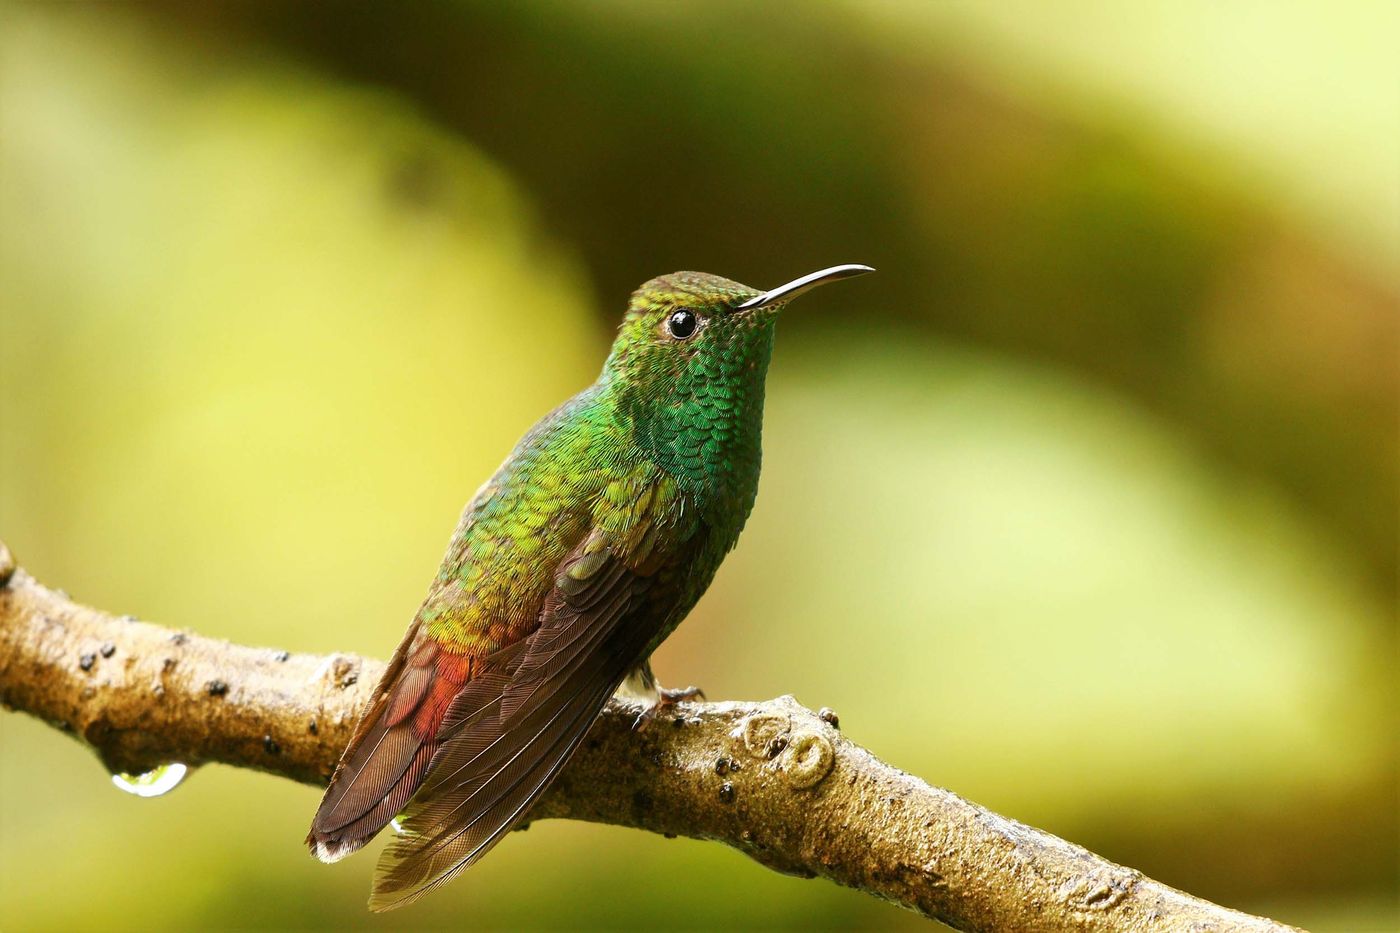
665 699
672 697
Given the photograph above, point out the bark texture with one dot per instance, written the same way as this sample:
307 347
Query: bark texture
774 780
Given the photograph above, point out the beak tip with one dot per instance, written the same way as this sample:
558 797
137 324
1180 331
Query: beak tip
798 286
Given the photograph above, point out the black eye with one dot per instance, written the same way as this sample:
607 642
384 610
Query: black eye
681 324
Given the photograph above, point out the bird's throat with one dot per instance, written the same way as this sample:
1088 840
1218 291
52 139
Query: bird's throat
703 424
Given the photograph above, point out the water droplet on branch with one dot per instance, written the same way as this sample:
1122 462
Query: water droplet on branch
154 783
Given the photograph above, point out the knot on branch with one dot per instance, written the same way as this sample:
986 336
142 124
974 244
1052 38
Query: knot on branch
803 754
1101 889
338 670
808 760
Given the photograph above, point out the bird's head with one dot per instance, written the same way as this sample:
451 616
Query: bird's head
688 367
689 331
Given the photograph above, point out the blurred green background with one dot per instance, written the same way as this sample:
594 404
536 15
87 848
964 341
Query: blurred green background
1107 451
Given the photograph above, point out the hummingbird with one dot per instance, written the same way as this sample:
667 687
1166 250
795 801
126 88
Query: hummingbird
569 566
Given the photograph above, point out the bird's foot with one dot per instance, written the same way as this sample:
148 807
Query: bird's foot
665 699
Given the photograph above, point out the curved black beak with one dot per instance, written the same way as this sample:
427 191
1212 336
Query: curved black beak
806 283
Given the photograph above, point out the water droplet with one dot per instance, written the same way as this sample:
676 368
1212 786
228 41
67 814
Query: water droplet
398 827
153 783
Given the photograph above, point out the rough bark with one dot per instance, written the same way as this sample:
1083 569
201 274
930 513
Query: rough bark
774 780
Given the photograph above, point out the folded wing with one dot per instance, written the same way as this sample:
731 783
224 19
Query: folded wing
499 747
395 741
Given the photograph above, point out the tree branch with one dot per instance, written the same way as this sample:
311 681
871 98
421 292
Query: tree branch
774 780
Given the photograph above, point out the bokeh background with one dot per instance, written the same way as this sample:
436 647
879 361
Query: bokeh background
1106 454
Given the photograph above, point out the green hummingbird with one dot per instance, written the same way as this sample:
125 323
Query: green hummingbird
568 567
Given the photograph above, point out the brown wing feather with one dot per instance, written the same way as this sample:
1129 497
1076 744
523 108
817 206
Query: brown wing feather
491 767
392 748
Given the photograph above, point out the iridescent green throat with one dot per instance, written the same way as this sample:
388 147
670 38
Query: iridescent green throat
694 408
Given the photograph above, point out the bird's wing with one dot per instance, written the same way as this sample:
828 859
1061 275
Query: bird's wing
467 638
509 732
395 740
